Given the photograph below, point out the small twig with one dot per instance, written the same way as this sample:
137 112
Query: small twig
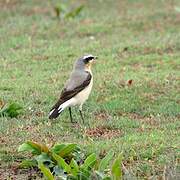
125 169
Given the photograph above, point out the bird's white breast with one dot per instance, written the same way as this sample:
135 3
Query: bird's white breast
84 94
78 99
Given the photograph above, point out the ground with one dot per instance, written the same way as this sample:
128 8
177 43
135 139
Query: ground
135 104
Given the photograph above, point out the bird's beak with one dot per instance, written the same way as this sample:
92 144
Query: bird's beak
95 58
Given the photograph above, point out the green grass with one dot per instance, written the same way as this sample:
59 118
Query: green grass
136 40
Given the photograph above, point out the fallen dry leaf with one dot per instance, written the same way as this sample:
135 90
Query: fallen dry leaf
2 103
129 82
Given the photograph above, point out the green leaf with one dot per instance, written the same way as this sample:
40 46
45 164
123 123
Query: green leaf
75 12
45 159
107 178
105 161
74 167
117 169
84 175
67 150
12 111
33 147
28 164
59 172
46 172
57 11
60 9
41 147
89 162
71 177
61 163
27 147
57 148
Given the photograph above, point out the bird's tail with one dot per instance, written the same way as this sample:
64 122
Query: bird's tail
54 113
58 108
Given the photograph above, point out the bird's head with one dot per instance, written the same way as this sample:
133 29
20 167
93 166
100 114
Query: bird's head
85 62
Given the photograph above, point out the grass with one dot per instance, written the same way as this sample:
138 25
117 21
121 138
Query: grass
136 40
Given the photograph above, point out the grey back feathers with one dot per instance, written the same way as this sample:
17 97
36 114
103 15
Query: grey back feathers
77 77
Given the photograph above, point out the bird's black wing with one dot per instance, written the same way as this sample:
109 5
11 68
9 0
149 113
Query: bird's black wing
68 94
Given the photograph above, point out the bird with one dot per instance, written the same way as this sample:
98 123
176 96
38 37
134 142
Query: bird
77 88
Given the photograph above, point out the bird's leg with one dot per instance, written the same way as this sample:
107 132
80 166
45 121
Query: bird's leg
80 111
70 114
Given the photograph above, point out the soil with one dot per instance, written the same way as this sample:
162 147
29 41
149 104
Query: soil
103 132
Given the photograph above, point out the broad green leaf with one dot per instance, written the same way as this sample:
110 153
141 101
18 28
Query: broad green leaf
28 163
74 167
57 148
67 150
46 172
33 147
13 110
29 148
61 162
60 173
41 147
117 169
84 175
89 161
105 161
85 172
45 159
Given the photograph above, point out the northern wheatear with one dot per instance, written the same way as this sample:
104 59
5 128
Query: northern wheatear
77 89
